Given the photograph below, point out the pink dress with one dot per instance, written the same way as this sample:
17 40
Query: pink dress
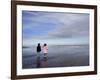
45 49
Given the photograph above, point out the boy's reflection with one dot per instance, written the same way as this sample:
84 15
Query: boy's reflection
38 62
42 63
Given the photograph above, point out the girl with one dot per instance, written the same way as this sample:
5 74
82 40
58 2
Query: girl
45 50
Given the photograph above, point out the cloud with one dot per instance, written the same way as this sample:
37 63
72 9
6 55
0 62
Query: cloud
35 23
77 25
51 26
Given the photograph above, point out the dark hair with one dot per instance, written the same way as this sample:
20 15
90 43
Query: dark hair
45 44
38 47
38 44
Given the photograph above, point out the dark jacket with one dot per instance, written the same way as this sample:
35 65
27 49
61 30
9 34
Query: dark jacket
38 48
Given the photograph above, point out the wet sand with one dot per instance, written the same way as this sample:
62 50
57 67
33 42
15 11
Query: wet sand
58 56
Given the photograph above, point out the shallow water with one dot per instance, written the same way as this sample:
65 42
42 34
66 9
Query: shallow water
58 56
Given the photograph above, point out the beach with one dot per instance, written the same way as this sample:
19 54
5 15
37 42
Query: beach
58 56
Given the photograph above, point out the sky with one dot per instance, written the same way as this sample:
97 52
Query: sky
55 28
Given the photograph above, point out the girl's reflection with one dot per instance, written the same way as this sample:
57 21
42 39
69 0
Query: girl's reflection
42 63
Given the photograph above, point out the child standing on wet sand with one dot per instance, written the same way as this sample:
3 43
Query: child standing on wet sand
38 49
45 50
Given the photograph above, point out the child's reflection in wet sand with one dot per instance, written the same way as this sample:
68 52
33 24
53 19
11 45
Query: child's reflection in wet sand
42 63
